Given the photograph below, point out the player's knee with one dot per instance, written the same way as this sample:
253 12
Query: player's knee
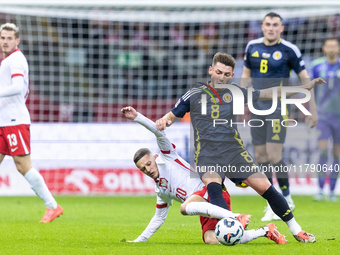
211 177
183 209
258 182
274 157
209 237
261 156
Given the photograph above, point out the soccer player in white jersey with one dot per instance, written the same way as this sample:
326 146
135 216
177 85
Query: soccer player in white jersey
15 119
175 180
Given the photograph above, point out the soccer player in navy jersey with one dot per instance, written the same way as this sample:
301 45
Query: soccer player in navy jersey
328 101
268 62
219 149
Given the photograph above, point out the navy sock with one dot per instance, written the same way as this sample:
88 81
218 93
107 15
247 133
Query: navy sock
323 159
268 171
334 174
278 204
282 177
215 195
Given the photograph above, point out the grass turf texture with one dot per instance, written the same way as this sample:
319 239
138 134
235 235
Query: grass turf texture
99 225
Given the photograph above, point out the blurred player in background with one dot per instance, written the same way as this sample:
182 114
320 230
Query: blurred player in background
269 61
221 145
328 102
175 180
15 119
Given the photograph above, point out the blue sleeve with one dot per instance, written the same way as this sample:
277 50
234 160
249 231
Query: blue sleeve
255 93
295 61
314 72
247 57
182 106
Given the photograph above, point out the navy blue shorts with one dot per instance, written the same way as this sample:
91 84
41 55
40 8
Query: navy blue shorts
272 130
233 162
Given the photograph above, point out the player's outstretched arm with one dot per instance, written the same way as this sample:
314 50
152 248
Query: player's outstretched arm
166 121
129 112
162 141
154 224
311 120
268 93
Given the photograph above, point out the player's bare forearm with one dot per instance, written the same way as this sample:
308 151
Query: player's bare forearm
311 120
166 121
129 112
268 93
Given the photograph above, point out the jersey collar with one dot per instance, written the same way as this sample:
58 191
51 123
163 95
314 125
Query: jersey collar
12 52
278 42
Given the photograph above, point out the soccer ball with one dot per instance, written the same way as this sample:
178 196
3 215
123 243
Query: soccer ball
229 231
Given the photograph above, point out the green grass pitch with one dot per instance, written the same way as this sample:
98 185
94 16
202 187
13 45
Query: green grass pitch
99 225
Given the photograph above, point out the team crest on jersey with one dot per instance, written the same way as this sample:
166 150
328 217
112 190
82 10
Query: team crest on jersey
277 55
227 98
163 183
265 55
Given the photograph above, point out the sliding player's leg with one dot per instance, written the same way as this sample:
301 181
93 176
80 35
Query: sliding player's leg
270 231
197 204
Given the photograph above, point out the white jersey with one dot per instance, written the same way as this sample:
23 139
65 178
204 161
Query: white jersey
176 181
13 110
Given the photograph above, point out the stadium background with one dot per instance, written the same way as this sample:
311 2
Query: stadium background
87 60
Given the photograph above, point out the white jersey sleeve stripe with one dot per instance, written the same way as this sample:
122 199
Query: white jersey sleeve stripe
292 46
258 40
190 93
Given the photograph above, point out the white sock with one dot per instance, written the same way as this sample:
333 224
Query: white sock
206 209
38 185
294 227
252 234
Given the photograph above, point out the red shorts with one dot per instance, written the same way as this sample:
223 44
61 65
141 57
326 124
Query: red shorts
210 223
15 140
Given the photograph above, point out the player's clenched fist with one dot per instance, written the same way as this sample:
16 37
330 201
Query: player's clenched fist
162 123
129 112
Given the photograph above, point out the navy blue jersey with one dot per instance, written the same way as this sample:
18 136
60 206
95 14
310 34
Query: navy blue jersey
216 110
271 65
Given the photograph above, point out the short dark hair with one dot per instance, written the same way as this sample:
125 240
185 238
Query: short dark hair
225 59
141 153
273 15
330 39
